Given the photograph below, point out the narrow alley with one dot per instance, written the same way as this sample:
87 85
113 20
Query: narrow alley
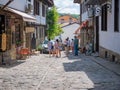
42 72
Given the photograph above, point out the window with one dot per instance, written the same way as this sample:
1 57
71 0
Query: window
43 10
17 35
29 0
36 7
37 33
70 20
62 21
116 16
104 18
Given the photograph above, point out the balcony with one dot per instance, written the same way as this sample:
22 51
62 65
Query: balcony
95 2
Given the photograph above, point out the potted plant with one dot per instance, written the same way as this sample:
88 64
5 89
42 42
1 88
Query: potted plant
39 48
18 42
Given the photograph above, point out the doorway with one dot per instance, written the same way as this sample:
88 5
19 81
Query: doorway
97 33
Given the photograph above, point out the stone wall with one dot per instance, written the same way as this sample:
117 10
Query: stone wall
109 55
8 57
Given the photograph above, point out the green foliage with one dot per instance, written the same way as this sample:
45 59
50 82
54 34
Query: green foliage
54 28
39 47
19 42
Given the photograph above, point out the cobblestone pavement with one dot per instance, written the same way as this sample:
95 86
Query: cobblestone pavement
49 73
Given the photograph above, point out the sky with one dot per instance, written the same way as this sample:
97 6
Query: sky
67 6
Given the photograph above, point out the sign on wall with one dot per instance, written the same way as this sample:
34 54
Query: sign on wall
29 29
3 44
98 11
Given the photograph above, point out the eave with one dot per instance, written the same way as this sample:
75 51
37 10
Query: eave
50 3
95 2
77 1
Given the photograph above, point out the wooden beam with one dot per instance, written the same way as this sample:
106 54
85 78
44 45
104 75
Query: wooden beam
7 4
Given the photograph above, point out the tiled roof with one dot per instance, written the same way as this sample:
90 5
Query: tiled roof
67 18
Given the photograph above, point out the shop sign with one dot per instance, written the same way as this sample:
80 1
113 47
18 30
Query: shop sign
29 29
98 11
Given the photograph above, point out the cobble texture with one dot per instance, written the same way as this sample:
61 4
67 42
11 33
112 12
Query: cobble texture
50 73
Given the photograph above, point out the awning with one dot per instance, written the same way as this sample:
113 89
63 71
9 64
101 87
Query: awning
26 17
78 30
84 24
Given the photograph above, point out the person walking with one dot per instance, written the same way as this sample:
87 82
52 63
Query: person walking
86 48
76 41
50 44
72 46
67 46
68 42
60 48
57 48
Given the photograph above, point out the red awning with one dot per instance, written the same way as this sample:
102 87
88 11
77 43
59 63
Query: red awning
78 30
84 24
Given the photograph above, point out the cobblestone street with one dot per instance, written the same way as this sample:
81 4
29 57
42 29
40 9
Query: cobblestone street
65 73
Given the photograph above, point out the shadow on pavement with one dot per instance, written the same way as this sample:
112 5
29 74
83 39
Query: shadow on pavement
72 57
14 64
98 75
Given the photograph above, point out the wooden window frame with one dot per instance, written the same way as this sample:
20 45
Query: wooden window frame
116 16
36 7
43 10
29 0
104 18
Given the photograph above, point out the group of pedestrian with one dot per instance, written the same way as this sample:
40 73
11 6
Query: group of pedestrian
54 48
88 49
71 45
67 45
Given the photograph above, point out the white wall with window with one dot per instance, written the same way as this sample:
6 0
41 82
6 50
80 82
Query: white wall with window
41 18
110 38
43 14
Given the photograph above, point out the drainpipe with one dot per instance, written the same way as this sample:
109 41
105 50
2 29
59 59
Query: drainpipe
80 14
80 24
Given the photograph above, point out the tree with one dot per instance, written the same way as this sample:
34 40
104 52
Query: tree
54 28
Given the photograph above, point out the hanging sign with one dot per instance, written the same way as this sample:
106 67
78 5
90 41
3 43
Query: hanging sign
98 11
3 46
29 29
